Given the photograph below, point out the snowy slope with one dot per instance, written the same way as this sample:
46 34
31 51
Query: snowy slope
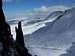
30 24
46 32
62 26
58 34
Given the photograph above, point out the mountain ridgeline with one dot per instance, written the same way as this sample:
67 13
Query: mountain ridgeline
8 46
59 33
55 32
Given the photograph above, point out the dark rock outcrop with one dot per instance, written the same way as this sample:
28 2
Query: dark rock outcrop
8 46
5 34
19 44
19 35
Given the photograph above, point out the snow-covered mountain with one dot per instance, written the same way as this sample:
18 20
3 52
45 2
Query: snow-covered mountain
33 22
48 32
59 33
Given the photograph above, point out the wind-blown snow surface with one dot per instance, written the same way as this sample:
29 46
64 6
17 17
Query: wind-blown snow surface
50 36
70 51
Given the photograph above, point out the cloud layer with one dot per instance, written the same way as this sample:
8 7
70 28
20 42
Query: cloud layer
42 10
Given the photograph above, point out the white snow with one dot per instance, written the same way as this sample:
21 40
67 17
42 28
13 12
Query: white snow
30 28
